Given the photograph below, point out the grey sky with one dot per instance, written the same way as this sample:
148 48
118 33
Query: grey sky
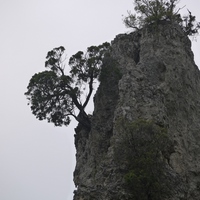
37 159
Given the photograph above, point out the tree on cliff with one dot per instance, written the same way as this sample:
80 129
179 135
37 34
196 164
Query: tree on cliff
55 96
154 11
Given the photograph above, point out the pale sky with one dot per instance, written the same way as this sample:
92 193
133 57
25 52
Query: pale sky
37 160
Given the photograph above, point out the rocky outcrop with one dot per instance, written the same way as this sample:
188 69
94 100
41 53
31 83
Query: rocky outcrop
151 75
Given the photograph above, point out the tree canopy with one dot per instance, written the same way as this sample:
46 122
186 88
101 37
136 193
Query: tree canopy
154 11
55 96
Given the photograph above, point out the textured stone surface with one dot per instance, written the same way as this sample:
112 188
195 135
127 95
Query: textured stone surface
154 78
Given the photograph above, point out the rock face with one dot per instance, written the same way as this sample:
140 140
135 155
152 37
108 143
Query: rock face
150 75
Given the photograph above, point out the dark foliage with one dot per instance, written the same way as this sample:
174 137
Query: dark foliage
142 151
55 96
157 11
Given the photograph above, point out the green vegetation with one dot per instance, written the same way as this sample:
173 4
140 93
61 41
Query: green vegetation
143 149
157 11
55 96
110 69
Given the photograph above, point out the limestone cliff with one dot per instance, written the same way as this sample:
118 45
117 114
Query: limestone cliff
151 75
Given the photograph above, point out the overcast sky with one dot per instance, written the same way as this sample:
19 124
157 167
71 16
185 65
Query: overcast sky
37 160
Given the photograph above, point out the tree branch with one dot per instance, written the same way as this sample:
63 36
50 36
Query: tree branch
90 91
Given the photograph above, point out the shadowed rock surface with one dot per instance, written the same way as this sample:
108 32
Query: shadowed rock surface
151 75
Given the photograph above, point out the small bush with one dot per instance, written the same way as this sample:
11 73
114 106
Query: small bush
154 12
143 148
